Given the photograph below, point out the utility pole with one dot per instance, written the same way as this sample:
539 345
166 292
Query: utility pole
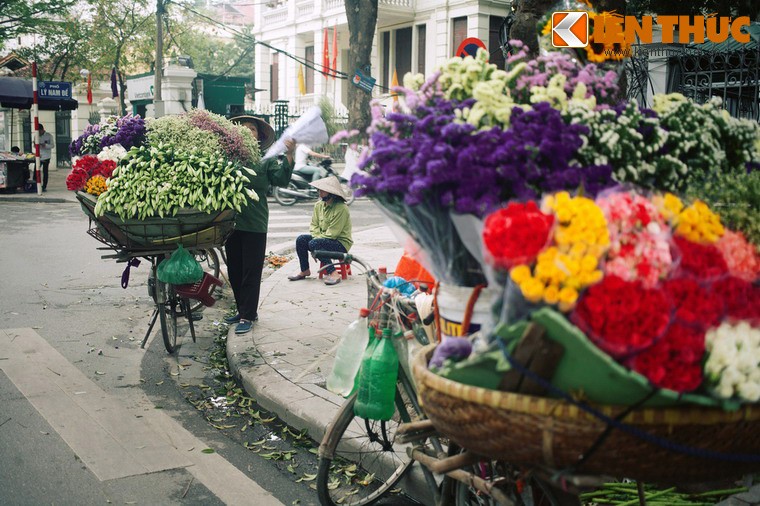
158 103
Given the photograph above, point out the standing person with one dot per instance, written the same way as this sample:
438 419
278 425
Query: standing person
246 246
303 152
330 229
46 152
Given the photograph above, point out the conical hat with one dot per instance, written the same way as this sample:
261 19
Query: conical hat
330 184
266 132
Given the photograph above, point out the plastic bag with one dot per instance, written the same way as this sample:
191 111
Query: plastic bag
180 269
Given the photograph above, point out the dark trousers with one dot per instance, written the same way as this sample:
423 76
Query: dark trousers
245 263
45 165
305 244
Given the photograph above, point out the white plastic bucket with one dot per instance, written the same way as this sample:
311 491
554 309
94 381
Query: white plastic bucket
452 304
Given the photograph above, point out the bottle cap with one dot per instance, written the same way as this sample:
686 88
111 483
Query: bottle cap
382 270
363 312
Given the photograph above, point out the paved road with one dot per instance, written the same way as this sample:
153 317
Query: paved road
79 422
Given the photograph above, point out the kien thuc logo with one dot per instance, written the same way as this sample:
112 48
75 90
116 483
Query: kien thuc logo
570 29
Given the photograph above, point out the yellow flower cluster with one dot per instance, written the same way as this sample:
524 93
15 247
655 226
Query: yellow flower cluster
669 206
697 223
95 185
572 262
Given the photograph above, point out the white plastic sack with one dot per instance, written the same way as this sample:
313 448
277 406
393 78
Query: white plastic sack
309 129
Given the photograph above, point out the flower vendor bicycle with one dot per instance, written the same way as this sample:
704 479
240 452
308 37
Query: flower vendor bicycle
384 451
154 239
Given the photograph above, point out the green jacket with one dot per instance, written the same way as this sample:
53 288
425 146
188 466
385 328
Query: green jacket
255 215
332 221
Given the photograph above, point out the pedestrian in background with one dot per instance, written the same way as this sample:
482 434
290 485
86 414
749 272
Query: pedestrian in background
246 246
303 152
46 152
330 229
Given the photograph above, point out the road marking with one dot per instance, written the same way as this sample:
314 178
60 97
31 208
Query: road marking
105 435
108 437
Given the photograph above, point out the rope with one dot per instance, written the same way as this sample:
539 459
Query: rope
646 436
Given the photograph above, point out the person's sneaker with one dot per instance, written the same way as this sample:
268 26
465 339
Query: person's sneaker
243 327
232 319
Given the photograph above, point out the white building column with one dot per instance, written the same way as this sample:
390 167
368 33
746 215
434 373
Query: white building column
478 25
261 71
441 28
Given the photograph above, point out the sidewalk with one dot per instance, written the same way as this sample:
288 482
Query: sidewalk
56 190
284 362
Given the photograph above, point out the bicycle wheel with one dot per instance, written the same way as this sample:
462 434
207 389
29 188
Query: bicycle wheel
167 313
379 463
209 260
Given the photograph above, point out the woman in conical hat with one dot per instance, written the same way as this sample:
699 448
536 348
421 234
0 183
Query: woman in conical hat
262 130
246 246
330 229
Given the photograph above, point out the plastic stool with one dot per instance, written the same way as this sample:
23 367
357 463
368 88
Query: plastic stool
202 290
344 269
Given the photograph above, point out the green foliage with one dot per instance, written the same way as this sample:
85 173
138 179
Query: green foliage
19 17
736 199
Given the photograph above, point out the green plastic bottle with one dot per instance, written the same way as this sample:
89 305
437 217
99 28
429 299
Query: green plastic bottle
377 388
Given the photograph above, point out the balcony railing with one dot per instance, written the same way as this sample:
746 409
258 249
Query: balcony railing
395 3
275 16
304 9
333 5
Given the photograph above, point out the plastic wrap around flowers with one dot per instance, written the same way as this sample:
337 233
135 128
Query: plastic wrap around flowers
646 279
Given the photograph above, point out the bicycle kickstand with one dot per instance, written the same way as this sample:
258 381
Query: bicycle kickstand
150 327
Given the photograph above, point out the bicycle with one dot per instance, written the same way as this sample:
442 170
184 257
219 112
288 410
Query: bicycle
385 451
154 240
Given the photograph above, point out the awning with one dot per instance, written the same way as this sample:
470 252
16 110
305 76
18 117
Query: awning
16 93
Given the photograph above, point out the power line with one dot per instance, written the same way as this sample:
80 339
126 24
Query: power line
327 71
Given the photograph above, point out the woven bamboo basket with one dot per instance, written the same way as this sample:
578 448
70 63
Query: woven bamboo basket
528 430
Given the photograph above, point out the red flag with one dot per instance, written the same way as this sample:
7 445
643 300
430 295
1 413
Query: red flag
326 57
335 52
89 88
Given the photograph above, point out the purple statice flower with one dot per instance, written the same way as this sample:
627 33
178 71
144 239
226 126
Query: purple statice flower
230 139
130 132
77 147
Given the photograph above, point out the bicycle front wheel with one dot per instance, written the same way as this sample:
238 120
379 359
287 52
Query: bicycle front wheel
167 313
373 462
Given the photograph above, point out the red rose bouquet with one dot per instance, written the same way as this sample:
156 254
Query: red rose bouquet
622 317
675 361
516 234
89 174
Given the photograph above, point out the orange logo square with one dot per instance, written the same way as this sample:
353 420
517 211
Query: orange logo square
570 29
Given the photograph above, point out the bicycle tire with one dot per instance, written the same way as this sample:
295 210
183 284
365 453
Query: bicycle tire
332 493
209 260
167 314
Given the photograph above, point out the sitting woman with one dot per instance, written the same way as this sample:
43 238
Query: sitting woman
330 229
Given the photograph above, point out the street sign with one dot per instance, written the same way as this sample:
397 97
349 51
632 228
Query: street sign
469 47
363 81
54 90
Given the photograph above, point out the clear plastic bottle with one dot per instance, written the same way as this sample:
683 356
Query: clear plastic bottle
377 387
348 357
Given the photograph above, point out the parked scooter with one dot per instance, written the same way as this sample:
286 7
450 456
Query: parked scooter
299 188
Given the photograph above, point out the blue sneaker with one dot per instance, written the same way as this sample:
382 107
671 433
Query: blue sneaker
232 319
243 327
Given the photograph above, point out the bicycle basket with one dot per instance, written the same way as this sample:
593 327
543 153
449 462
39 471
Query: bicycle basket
535 431
192 228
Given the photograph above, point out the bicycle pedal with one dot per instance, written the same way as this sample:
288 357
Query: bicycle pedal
196 317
